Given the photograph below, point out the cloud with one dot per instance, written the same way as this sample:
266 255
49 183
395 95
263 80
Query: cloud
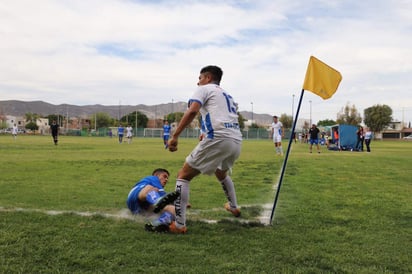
150 52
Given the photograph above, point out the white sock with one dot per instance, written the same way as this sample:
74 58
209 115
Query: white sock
281 150
182 186
229 189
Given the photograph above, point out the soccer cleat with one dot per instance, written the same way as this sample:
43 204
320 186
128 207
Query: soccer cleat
156 228
176 230
234 211
165 200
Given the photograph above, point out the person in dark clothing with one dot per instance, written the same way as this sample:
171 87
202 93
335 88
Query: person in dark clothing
314 138
361 138
55 131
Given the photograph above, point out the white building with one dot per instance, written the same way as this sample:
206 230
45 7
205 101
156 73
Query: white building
19 121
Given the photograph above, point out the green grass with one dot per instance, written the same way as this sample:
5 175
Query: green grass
338 212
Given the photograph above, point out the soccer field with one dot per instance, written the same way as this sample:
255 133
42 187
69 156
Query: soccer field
63 209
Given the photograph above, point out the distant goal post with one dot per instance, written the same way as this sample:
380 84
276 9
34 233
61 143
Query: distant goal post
158 132
153 132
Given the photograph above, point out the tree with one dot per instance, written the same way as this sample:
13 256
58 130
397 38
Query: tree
57 117
3 124
286 120
174 117
32 126
101 120
349 115
326 122
133 116
241 120
31 117
254 125
377 117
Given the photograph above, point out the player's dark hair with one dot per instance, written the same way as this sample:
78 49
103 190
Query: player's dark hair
160 170
215 71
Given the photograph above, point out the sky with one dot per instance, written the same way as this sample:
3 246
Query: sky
130 52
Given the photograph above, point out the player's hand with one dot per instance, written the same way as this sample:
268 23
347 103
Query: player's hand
172 144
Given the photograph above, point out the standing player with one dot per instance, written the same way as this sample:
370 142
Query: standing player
148 196
129 134
120 133
314 137
166 133
55 131
14 131
277 134
219 149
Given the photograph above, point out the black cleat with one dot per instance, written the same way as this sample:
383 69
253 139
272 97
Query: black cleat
168 199
156 228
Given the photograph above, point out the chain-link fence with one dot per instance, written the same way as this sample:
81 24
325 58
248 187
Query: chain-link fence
248 134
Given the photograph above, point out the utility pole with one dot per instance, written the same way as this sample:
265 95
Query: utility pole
310 103
252 110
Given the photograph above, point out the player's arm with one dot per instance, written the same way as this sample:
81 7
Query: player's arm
187 118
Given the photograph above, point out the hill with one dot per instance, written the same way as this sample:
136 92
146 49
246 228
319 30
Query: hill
20 108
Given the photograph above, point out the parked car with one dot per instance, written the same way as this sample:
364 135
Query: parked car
409 137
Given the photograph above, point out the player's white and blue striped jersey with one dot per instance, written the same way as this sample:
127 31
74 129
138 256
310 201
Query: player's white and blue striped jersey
132 198
277 128
219 112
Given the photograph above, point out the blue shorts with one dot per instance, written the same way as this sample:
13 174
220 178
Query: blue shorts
166 137
133 200
314 141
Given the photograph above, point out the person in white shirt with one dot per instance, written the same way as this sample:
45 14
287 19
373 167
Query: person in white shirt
277 134
14 131
368 139
218 150
129 134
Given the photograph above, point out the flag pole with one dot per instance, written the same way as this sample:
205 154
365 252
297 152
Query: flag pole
286 158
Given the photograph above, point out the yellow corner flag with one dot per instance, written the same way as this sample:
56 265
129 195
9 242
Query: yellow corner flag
321 79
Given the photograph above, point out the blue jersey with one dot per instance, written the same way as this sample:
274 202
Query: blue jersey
120 130
166 130
133 198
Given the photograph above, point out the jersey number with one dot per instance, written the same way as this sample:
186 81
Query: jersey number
231 105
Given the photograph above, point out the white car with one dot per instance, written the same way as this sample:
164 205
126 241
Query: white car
409 137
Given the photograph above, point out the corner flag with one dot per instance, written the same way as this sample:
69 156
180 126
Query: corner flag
321 79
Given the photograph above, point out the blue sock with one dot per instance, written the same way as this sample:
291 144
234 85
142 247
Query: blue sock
152 197
165 218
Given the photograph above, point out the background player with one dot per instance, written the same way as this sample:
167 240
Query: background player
166 133
277 134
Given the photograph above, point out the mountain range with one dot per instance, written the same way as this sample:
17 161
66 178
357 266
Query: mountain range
20 108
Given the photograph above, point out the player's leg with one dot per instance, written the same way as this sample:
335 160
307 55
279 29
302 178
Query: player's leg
185 175
231 151
162 222
151 195
280 145
230 193
166 141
